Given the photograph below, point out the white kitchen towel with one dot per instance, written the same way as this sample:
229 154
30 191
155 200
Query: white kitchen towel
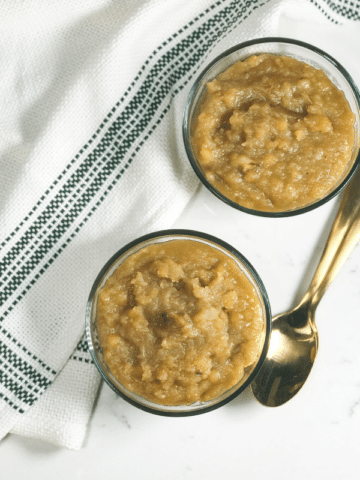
91 156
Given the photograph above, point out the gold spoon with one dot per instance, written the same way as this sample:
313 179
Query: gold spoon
294 337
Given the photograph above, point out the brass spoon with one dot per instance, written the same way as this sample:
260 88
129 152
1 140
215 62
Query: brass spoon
294 338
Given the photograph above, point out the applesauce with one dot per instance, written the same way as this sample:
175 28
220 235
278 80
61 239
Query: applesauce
273 133
179 323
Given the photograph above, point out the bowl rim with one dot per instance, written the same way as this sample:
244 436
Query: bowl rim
186 126
158 409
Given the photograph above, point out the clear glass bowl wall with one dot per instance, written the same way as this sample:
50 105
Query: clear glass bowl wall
91 322
278 46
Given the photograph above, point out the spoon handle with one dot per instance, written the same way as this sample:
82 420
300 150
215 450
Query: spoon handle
343 237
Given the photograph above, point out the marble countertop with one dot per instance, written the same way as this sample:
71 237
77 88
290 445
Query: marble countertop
315 435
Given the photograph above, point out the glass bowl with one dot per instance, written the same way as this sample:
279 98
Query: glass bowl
92 332
278 46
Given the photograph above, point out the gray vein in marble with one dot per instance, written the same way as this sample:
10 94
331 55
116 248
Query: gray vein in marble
354 407
125 421
122 418
115 409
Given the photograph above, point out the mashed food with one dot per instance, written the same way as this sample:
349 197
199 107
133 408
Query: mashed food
273 133
180 323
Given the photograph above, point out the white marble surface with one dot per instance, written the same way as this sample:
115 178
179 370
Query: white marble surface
316 435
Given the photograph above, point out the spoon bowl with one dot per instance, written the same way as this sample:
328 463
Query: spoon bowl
294 338
291 355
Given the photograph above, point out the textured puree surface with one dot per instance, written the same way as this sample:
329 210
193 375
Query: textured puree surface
273 133
179 322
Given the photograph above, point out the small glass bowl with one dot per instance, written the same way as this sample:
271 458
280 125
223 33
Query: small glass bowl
96 349
277 46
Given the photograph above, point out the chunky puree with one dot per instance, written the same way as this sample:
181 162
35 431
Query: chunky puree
273 133
180 323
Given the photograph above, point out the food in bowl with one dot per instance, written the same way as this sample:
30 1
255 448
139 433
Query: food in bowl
179 322
273 133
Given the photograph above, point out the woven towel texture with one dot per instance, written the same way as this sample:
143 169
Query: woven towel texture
91 157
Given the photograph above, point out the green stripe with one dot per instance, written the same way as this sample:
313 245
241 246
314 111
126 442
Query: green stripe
14 343
21 393
26 370
349 10
82 346
10 402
